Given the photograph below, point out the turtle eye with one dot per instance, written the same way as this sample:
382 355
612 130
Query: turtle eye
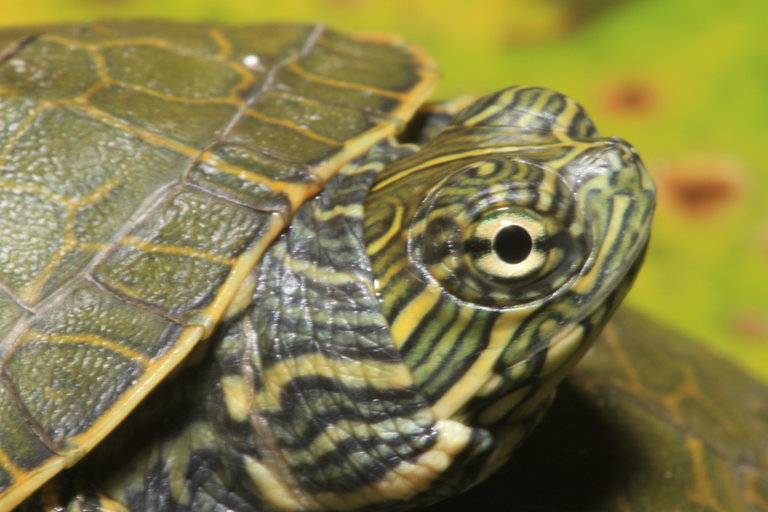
512 244
508 246
500 233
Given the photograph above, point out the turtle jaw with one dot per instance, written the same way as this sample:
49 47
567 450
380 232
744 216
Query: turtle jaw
511 420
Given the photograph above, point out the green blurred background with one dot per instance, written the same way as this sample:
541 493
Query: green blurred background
686 81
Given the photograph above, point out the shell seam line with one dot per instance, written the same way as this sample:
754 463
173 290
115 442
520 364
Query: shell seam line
266 85
17 47
33 425
233 200
133 301
16 299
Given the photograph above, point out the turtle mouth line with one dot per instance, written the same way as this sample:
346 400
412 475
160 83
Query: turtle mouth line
563 352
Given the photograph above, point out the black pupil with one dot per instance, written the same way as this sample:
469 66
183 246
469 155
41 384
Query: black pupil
512 244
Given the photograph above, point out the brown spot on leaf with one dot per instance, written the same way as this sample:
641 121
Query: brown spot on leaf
750 324
631 96
701 186
581 13
762 241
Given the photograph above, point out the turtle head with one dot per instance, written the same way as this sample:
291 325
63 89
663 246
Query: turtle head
500 249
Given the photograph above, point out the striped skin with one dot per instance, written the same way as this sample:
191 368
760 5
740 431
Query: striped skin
144 169
487 343
653 422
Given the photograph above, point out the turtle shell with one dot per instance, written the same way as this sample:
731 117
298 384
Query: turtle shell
146 167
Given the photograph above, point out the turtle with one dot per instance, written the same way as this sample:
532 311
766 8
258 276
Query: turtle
251 268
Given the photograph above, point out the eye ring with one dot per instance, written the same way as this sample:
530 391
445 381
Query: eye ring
462 236
508 246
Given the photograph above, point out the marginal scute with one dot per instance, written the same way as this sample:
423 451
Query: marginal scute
334 122
293 81
182 251
221 176
66 386
281 142
89 314
18 444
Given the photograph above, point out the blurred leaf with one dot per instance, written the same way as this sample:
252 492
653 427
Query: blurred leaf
684 80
